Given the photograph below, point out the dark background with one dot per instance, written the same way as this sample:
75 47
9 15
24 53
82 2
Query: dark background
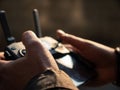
98 20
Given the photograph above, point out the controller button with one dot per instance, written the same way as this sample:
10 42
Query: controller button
13 48
22 52
7 54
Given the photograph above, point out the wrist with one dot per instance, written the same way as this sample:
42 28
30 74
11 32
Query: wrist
117 80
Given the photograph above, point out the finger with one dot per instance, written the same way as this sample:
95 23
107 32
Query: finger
3 63
2 56
36 50
28 37
80 42
33 45
71 48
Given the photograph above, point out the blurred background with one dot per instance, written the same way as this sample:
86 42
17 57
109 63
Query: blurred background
98 20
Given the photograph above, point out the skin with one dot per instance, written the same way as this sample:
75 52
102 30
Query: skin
16 74
103 57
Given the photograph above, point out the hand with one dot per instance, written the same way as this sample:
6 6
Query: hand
15 74
103 57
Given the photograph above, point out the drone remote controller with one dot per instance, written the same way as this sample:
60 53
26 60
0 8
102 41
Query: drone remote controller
73 64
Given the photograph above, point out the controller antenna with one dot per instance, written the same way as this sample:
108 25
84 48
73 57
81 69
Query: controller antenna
9 38
37 23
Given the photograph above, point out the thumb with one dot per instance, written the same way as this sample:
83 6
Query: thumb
31 42
71 39
33 45
35 50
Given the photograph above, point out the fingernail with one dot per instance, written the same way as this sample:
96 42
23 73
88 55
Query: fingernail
28 36
61 31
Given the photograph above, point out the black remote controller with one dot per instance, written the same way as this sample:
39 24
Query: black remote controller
74 65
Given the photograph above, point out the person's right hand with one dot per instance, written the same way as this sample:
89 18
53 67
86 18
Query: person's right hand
102 56
15 74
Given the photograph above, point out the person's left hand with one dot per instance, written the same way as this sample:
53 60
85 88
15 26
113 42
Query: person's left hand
15 74
101 56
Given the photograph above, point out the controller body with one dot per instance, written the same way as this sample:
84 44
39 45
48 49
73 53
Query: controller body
17 49
78 69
